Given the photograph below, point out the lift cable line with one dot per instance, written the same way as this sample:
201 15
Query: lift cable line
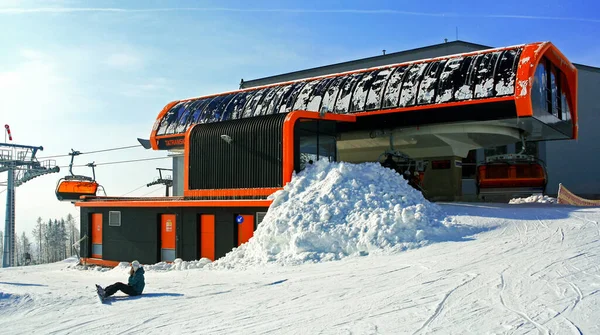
167 180
124 194
120 162
22 165
95 151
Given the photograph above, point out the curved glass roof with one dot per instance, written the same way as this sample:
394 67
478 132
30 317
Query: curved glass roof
438 81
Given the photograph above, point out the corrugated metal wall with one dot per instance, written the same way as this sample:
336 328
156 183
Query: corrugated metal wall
253 159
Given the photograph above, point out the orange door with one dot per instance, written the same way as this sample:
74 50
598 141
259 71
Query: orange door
207 236
96 235
245 227
167 237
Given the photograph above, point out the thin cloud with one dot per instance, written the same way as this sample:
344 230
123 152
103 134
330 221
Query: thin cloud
284 10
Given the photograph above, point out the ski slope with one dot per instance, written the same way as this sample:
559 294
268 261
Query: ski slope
413 268
533 268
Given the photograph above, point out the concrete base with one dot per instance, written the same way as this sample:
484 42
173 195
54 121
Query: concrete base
443 179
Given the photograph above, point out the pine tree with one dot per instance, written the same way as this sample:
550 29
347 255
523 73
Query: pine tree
38 233
25 257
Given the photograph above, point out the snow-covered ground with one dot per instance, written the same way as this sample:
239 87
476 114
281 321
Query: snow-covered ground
399 265
544 199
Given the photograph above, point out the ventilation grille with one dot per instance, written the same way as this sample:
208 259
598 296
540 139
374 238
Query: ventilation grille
259 217
114 218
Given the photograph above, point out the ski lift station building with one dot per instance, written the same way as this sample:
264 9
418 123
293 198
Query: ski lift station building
445 106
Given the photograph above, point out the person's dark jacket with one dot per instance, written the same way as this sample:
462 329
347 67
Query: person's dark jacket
137 280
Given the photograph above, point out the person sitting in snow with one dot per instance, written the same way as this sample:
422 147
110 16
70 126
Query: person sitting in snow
134 286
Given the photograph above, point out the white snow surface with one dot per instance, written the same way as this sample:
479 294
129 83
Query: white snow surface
479 268
537 198
334 210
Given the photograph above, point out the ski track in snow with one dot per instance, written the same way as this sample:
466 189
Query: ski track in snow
533 270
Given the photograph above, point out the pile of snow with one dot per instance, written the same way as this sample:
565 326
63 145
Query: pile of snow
543 199
334 210
177 265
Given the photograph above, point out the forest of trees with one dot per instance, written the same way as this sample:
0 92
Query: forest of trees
51 241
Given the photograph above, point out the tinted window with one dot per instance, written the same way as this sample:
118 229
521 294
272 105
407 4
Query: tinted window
463 79
214 110
394 85
263 107
318 92
429 83
374 96
484 74
287 100
555 95
172 126
539 90
330 96
409 87
505 72
359 97
252 103
343 101
274 104
196 116
448 78
169 117
235 107
190 115
304 96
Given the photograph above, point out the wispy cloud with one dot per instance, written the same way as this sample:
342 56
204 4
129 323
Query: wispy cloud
286 10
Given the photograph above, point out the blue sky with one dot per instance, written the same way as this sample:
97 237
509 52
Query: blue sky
94 75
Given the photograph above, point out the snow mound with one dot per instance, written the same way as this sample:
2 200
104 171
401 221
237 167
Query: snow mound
543 199
334 210
177 265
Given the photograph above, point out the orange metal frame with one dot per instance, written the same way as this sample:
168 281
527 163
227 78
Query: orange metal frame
181 203
288 156
530 58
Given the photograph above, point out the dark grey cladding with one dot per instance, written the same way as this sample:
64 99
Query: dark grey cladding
459 78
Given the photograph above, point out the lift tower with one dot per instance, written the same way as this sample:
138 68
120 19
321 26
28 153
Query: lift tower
22 165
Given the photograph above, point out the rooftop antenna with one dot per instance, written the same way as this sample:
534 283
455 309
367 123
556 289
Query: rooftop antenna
383 51
457 33
445 40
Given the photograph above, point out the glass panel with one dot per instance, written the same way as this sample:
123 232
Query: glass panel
287 101
169 117
555 95
539 89
409 87
316 142
216 108
274 104
304 95
463 79
375 92
330 96
263 107
317 94
342 104
566 111
505 72
185 121
172 126
469 165
484 74
429 83
196 115
448 79
394 85
251 104
236 107
359 97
